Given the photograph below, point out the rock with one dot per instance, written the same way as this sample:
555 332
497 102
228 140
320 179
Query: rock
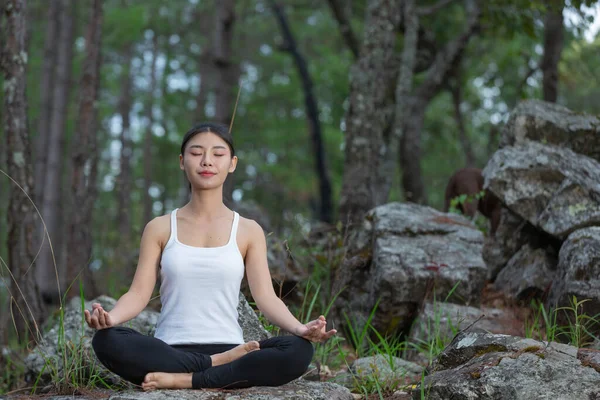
480 365
528 274
78 332
403 253
550 123
297 390
553 188
578 273
389 371
440 322
512 233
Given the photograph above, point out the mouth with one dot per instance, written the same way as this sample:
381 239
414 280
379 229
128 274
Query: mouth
207 174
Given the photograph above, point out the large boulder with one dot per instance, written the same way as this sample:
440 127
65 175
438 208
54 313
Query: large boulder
528 274
297 390
480 365
579 273
77 332
550 123
553 188
405 253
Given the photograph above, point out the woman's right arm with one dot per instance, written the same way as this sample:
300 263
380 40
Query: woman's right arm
140 291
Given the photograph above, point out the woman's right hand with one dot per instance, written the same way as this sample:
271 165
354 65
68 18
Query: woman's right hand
98 318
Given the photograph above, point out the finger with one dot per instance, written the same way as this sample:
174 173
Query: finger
96 305
94 320
101 318
107 319
87 316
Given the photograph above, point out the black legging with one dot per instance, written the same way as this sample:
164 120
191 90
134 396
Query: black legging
132 355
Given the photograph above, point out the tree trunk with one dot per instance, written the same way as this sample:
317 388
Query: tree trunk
340 13
553 44
48 277
227 75
148 160
46 89
403 89
312 114
456 91
123 183
370 111
85 161
27 308
436 75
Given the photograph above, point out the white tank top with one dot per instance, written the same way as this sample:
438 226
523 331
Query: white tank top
199 291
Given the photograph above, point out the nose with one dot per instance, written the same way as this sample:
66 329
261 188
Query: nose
206 160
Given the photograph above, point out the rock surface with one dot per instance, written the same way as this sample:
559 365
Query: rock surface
406 252
387 369
528 274
297 390
553 188
579 272
550 123
442 321
479 365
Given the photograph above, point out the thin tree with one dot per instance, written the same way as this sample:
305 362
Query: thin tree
85 160
148 143
226 74
312 114
123 180
553 44
53 171
27 307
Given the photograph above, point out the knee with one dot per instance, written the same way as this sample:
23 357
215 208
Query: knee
105 340
300 352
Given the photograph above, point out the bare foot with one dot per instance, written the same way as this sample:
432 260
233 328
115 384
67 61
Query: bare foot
165 380
235 353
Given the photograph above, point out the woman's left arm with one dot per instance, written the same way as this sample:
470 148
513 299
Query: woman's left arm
261 287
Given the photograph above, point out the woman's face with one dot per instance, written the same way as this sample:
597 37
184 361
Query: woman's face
207 161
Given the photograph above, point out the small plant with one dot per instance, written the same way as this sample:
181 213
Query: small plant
579 330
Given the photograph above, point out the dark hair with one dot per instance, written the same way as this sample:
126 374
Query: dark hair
220 130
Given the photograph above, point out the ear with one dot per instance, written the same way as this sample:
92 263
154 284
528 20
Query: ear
181 163
233 164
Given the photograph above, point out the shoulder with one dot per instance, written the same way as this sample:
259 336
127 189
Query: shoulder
159 229
252 234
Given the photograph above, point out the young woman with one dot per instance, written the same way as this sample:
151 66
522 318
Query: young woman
201 252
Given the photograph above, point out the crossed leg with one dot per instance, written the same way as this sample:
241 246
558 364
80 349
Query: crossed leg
152 363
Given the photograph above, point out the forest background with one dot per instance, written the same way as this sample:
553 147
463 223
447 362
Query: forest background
336 98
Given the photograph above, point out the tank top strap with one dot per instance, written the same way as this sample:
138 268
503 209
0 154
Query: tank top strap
174 224
234 228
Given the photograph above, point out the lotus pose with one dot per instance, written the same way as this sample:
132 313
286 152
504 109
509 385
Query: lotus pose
201 252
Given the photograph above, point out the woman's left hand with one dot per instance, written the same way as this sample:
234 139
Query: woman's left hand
315 330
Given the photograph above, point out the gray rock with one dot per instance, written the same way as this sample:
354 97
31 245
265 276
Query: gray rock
528 274
388 370
553 188
479 365
579 272
512 233
78 332
442 321
408 252
550 123
297 390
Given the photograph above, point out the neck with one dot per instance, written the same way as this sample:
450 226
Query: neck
207 203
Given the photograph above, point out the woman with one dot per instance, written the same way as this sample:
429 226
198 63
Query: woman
202 251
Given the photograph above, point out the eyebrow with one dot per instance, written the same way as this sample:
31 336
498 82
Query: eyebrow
201 147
